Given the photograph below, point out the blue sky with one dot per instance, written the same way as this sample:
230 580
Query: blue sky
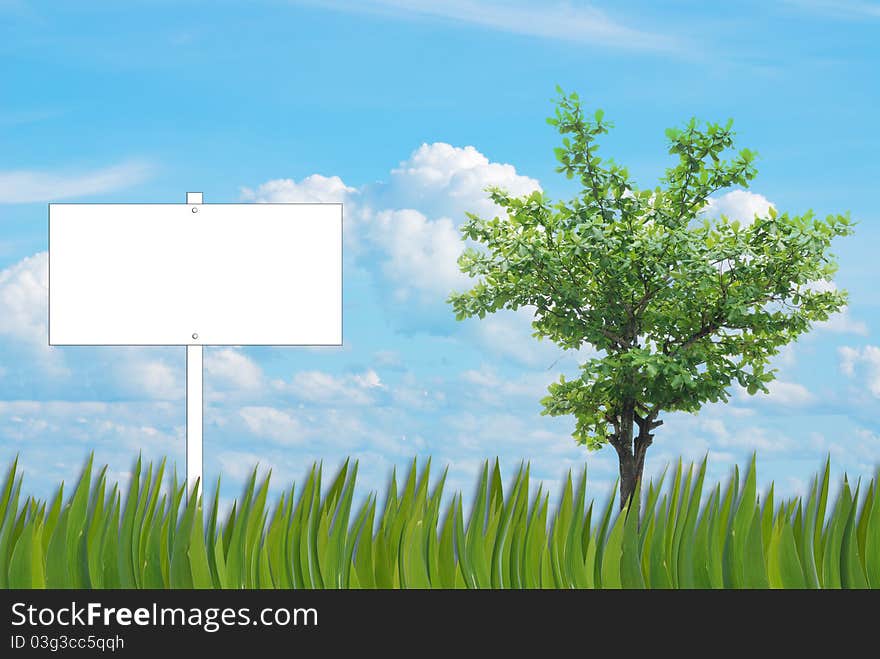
405 111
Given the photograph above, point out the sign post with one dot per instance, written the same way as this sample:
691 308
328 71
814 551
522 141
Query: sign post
194 408
194 398
195 275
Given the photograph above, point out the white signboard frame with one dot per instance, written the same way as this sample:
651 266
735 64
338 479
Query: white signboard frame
193 275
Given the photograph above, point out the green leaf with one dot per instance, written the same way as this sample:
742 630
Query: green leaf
784 568
612 555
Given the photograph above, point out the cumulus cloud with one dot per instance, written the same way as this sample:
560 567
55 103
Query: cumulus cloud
138 438
231 369
22 187
368 380
152 427
743 439
508 334
54 438
421 255
789 393
787 355
239 464
407 228
786 394
859 448
312 189
412 393
275 424
841 322
739 205
410 222
488 387
24 304
744 206
24 299
444 180
866 360
24 320
152 378
388 359
24 296
848 358
325 388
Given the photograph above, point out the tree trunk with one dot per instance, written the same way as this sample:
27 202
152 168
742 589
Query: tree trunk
628 475
631 456
624 446
631 469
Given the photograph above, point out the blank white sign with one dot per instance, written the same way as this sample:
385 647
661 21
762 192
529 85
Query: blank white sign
228 274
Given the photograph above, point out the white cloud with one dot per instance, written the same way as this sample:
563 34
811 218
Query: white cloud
787 356
416 226
24 305
230 368
715 427
797 487
859 449
275 424
743 206
151 377
54 438
867 358
414 394
22 187
739 205
551 20
24 299
422 255
312 189
734 411
841 322
508 334
410 224
238 465
444 180
822 286
17 408
135 437
752 438
368 380
321 387
491 389
848 358
388 359
789 393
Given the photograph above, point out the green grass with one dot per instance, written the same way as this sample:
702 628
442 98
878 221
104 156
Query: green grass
691 535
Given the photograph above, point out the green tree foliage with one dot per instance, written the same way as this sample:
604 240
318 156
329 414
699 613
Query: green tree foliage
678 306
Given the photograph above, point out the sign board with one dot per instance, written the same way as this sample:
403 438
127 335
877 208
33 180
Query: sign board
195 274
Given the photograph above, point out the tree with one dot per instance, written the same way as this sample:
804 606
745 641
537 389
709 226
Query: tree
677 306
